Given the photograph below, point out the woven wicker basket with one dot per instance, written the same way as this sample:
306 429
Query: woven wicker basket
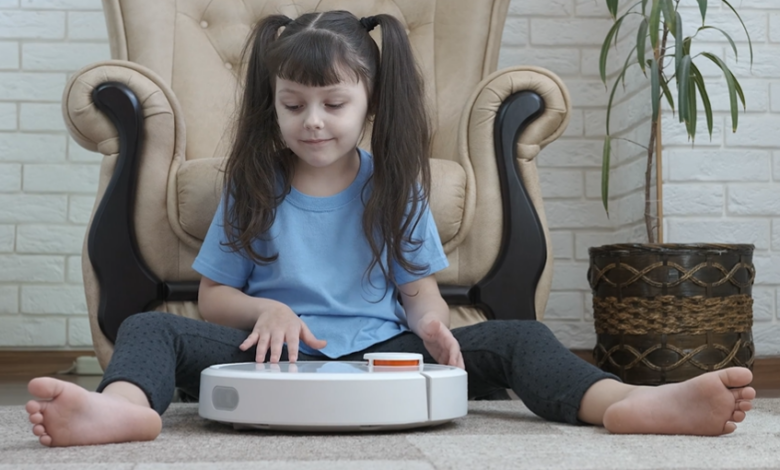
666 313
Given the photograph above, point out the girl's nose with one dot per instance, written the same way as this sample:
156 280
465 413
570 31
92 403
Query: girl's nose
313 120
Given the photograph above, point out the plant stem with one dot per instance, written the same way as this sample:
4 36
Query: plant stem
648 182
649 219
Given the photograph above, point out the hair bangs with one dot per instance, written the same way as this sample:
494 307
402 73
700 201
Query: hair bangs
315 58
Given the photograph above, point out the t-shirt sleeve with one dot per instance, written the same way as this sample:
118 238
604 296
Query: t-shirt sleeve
217 261
429 254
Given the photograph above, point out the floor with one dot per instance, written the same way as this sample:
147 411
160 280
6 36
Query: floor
13 390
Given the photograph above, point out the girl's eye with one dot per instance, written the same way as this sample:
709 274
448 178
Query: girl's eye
335 106
291 108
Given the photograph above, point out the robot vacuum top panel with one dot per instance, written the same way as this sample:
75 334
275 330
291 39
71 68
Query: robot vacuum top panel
388 391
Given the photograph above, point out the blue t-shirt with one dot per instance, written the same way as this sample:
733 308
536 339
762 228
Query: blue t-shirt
320 271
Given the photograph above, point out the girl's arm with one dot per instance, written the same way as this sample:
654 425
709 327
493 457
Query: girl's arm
428 316
228 306
270 323
421 298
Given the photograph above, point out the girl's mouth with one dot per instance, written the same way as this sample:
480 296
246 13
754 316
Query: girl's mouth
316 141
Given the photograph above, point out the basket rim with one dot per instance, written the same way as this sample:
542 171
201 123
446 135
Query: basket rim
627 249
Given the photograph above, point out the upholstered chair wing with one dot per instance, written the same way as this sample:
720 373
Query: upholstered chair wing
161 111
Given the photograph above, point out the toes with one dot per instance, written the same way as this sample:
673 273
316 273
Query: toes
33 406
45 440
39 430
734 377
45 387
744 406
746 393
36 418
738 416
729 428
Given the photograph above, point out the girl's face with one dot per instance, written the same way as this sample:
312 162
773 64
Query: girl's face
321 125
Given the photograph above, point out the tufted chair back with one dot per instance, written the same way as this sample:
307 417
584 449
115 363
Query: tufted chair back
161 113
195 47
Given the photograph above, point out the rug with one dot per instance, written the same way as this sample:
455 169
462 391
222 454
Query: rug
494 435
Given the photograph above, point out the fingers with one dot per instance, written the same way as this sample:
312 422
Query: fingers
454 356
277 343
309 339
263 343
272 344
249 341
458 362
292 350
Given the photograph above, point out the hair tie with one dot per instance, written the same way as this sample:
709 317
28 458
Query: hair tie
369 22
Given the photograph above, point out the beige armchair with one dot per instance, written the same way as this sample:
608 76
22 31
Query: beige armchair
160 114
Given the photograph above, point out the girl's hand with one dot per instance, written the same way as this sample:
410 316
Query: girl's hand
440 342
276 326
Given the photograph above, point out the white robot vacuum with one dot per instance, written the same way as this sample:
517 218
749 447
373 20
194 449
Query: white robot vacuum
389 391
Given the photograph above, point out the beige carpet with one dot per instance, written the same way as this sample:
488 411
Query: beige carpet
500 435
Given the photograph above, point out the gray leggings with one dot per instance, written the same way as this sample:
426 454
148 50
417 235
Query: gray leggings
160 352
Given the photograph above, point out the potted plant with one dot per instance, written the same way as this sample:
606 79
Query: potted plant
663 312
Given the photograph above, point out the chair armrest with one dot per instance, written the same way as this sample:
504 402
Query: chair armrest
129 114
509 118
94 131
481 108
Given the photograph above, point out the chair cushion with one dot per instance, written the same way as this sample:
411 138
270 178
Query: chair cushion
199 185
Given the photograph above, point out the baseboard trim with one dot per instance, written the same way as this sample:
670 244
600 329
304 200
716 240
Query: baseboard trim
19 363
14 364
766 370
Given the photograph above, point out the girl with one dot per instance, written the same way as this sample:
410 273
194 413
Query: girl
312 243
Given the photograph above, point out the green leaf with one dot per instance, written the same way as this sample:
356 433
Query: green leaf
626 65
750 43
690 83
655 22
705 98
678 43
641 37
667 93
683 73
687 46
612 6
655 88
703 9
669 14
644 7
730 81
614 88
605 173
731 41
739 91
605 49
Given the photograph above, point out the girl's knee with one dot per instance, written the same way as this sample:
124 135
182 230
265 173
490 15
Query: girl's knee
144 322
513 327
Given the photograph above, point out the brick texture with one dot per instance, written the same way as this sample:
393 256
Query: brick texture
723 188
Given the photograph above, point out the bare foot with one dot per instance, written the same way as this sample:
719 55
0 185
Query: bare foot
68 415
707 405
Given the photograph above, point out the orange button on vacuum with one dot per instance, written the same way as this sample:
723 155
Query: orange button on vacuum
396 363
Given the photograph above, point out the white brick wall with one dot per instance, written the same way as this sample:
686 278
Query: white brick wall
47 182
725 189
728 189
721 190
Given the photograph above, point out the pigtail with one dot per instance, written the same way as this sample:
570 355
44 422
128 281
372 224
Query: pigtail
400 144
258 151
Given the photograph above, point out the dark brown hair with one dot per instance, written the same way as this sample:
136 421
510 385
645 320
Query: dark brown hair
318 49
